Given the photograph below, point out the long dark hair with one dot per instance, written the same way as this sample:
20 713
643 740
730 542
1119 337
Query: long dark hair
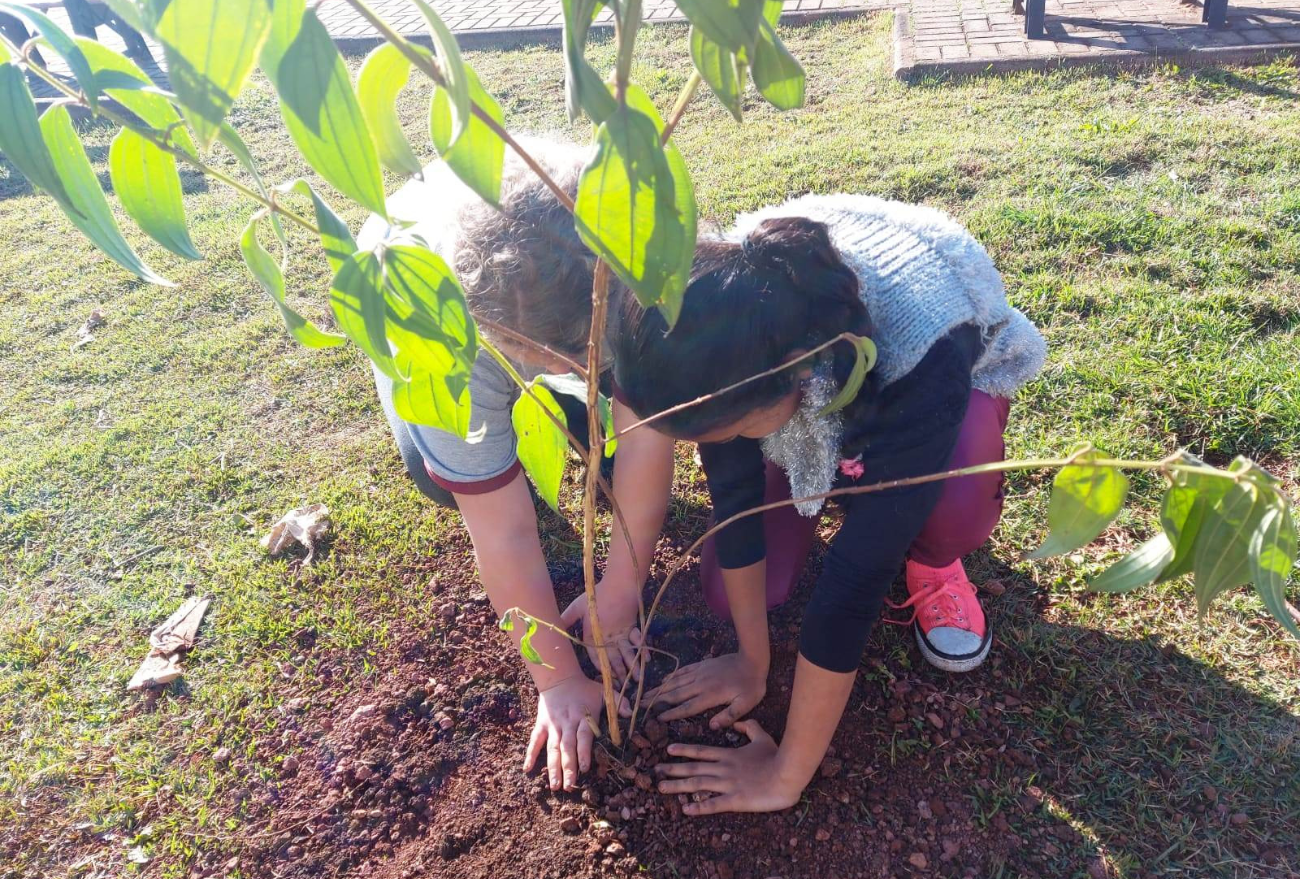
747 308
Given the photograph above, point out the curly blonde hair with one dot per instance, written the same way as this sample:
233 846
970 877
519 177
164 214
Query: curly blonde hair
523 266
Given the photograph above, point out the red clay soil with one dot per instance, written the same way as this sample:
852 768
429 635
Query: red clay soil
419 775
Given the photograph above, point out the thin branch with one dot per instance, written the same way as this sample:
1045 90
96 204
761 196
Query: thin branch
1170 464
842 337
425 62
688 92
536 347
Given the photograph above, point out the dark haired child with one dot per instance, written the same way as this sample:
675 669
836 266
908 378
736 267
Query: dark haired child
524 268
951 354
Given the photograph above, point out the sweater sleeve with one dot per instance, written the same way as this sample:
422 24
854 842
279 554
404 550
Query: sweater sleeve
913 432
734 473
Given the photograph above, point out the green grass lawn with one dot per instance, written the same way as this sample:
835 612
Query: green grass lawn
1148 222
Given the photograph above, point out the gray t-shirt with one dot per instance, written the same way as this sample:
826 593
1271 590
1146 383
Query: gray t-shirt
490 460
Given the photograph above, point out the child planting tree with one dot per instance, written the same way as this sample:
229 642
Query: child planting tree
951 353
525 272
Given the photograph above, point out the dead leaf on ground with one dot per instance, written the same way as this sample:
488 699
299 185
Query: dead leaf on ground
166 642
305 525
86 334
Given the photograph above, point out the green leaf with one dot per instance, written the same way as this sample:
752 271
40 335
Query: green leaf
357 297
584 91
319 107
722 70
542 447
865 351
434 337
732 24
575 387
122 80
478 154
87 207
271 276
335 236
20 135
145 179
1138 568
526 648
211 47
1182 514
778 75
61 43
230 139
1222 558
383 75
1084 501
636 209
456 81
1272 557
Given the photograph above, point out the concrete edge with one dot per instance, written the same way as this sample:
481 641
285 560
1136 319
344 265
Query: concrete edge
903 54
510 37
1207 56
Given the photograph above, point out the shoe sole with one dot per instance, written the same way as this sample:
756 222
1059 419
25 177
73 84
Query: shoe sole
947 662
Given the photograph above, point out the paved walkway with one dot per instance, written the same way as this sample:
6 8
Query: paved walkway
478 21
934 37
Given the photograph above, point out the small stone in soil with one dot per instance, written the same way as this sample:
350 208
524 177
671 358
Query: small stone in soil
935 720
823 834
831 767
923 809
221 756
570 825
993 587
918 860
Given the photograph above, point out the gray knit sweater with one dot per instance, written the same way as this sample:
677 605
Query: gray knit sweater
921 275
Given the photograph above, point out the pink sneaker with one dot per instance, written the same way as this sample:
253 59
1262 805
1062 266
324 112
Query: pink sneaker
947 618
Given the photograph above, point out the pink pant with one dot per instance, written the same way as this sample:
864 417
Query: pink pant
965 516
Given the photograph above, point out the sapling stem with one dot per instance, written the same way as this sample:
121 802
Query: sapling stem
595 450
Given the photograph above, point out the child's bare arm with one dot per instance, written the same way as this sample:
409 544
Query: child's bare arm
503 526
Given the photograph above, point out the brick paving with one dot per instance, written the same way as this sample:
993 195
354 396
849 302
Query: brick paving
931 37
499 22
934 37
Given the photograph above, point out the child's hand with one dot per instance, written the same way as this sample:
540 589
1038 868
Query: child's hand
562 728
732 680
746 779
618 624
